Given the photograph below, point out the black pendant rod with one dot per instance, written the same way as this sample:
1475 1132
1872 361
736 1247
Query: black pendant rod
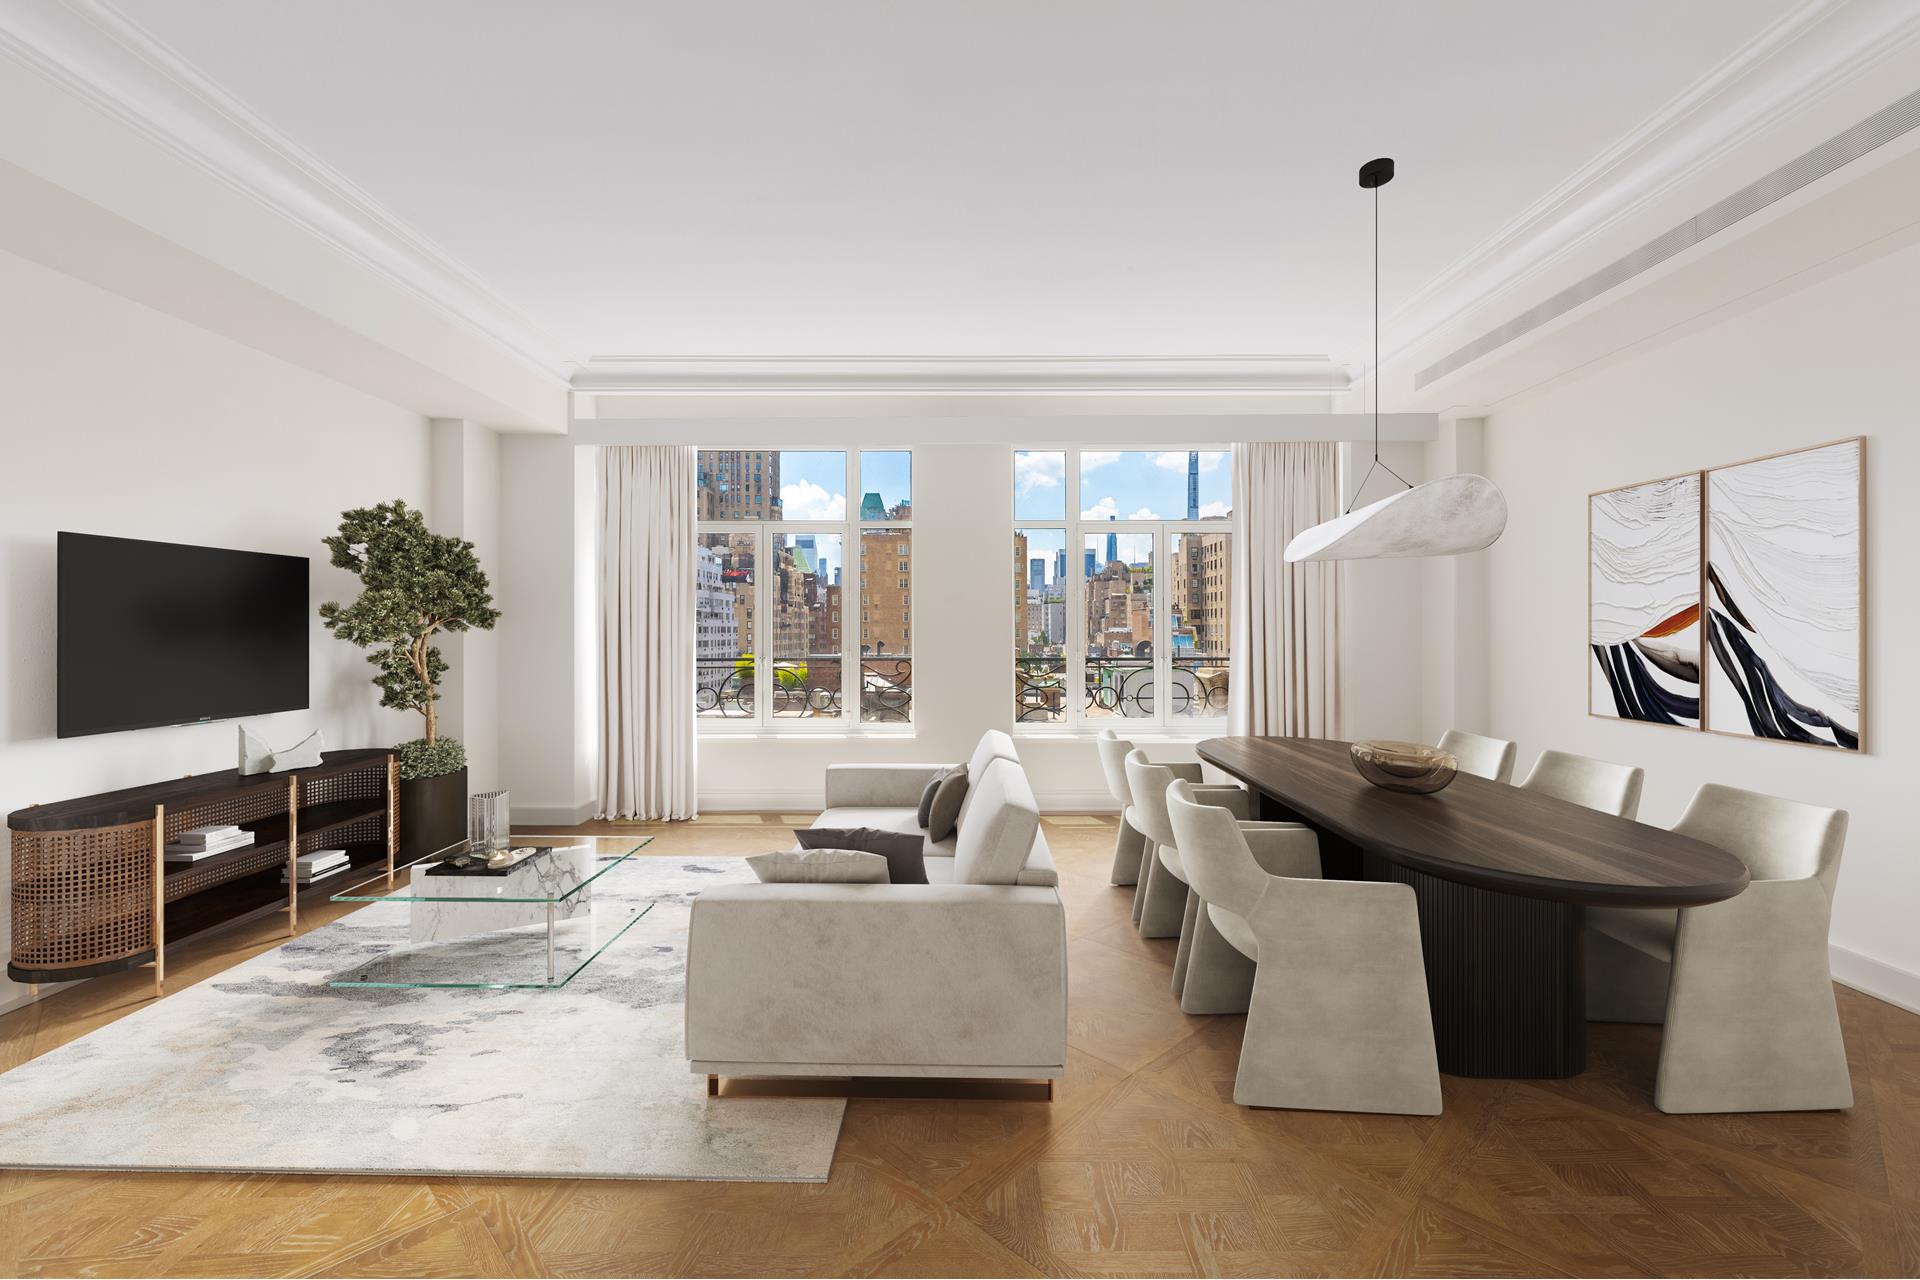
1375 174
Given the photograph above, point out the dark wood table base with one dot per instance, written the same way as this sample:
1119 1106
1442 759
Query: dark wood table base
1506 975
1506 978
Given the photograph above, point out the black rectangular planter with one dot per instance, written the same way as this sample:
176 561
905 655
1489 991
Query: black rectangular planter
433 814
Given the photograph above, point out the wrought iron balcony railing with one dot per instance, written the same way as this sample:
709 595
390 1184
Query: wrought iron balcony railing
1122 687
809 687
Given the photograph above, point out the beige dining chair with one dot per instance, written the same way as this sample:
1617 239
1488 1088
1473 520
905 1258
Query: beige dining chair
1337 1018
1597 784
1742 985
1129 843
1481 757
1171 904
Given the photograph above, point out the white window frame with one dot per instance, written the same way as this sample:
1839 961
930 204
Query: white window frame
1078 722
764 722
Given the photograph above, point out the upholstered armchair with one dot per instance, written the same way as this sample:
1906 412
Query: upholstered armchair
1743 985
1337 1018
1129 844
1597 784
1481 757
1171 905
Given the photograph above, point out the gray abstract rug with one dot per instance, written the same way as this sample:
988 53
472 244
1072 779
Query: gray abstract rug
268 1068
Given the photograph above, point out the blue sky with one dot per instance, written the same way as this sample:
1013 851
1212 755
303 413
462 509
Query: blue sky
813 483
1150 485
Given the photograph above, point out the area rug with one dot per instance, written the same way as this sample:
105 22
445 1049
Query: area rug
267 1068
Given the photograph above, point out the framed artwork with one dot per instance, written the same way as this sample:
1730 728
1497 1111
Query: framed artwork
1643 602
1786 594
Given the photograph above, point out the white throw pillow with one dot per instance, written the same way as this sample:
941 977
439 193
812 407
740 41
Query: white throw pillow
819 866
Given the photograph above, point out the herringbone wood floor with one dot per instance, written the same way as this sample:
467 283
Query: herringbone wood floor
1143 1167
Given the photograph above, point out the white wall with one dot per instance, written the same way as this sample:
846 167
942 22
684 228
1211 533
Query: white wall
1835 359
466 504
548 713
1381 613
119 420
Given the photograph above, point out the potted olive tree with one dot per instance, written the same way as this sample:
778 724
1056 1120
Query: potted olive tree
415 584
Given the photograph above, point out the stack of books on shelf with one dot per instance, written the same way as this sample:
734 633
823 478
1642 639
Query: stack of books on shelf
318 865
204 842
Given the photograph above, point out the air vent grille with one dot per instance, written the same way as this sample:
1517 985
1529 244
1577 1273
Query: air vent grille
1876 130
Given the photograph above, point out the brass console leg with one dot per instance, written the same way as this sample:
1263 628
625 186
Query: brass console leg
293 855
713 1086
159 900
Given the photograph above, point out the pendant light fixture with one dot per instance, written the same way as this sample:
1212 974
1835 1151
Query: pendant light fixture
1445 517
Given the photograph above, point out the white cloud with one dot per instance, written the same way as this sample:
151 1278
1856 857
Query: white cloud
1038 471
1214 511
1109 509
1210 460
1093 461
805 500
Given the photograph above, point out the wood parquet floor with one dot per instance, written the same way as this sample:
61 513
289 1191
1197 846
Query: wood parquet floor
1142 1167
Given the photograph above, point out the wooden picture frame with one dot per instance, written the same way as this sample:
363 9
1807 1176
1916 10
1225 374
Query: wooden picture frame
1774 673
1647 642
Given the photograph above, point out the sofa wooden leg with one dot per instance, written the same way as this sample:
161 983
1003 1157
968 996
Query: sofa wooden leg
713 1086
1050 1089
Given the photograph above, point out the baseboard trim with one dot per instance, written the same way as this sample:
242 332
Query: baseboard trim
542 815
1077 802
1876 978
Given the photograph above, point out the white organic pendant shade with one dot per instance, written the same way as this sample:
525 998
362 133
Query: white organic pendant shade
1445 517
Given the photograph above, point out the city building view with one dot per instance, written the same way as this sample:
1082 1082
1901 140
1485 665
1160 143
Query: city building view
1133 549
797 615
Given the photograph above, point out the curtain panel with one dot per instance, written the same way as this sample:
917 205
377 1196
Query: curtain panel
647 547
1286 617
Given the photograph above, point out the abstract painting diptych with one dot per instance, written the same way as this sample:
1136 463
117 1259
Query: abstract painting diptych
1644 601
1777 585
1784 594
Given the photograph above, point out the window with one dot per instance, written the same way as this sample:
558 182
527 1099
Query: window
773 582
1121 602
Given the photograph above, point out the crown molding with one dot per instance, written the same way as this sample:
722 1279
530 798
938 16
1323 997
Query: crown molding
1805 54
105 59
935 375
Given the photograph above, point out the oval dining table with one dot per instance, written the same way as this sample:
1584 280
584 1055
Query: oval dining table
1502 876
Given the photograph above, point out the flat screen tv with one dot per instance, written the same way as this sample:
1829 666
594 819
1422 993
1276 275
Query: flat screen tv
156 633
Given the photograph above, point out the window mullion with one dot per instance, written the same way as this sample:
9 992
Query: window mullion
1076 653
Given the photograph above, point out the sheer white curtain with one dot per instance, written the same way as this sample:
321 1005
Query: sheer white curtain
1286 617
647 547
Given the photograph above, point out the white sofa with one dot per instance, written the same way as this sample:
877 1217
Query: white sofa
963 976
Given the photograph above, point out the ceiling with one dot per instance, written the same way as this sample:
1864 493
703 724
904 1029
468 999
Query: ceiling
987 178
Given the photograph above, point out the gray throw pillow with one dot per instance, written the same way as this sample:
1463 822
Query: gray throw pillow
905 851
819 866
925 813
944 812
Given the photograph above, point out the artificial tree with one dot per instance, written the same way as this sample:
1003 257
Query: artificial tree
416 583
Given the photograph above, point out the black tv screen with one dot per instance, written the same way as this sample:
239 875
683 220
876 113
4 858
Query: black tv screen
155 633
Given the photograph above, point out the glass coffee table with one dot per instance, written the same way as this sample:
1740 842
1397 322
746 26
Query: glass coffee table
538 923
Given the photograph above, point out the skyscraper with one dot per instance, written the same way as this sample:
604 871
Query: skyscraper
1037 573
1113 544
1193 486
1060 566
871 508
1090 564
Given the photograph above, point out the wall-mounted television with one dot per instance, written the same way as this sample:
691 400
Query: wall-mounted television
157 633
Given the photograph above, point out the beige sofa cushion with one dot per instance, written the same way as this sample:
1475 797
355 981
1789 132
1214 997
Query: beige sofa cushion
996 836
993 745
819 866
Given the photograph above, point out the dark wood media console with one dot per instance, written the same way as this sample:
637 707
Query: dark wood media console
92 893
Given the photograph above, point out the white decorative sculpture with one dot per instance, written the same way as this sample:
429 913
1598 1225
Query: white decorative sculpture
304 754
257 757
1445 517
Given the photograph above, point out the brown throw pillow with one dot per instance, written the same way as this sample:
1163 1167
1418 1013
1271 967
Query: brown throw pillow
925 812
905 851
945 810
